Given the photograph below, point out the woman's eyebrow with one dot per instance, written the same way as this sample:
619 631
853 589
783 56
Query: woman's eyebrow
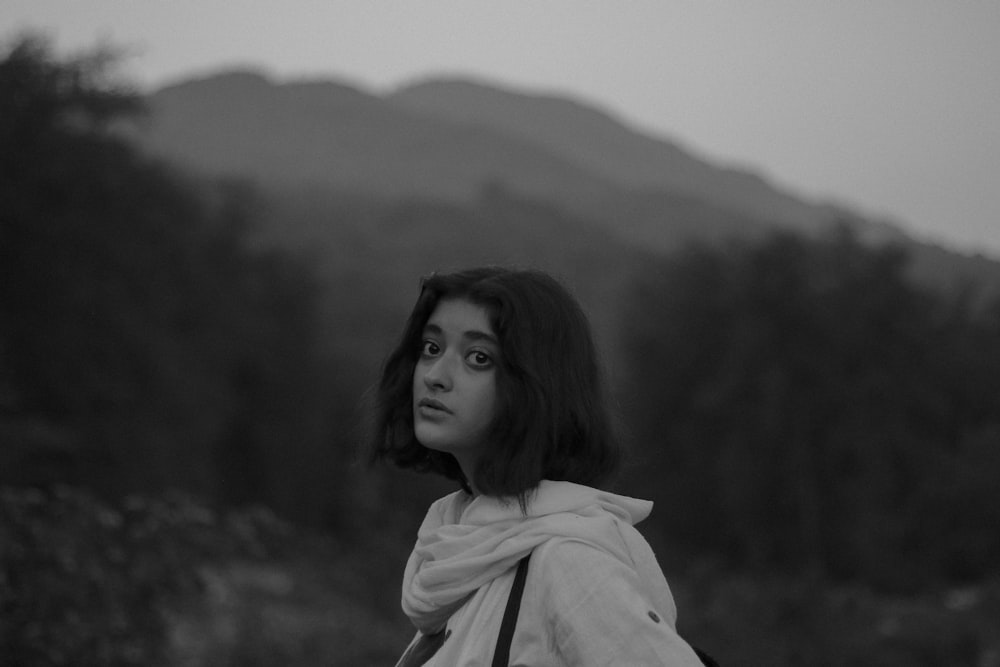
471 334
475 334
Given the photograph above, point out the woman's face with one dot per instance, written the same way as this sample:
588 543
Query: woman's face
454 381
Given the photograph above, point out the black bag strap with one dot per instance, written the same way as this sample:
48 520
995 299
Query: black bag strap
705 658
501 656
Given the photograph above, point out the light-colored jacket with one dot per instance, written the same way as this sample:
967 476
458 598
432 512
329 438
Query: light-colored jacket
594 595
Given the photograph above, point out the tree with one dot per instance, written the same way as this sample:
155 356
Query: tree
798 400
146 341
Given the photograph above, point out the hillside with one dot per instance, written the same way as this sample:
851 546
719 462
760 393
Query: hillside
323 134
450 141
328 134
606 146
370 252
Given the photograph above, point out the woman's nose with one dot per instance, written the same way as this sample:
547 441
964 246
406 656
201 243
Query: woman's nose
438 374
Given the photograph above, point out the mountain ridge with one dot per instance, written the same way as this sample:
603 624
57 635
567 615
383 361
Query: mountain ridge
326 133
608 146
471 133
453 141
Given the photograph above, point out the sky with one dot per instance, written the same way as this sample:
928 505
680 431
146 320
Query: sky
888 106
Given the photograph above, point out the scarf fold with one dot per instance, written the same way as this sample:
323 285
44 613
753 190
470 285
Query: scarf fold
464 544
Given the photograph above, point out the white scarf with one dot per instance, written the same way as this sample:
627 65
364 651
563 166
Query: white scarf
463 545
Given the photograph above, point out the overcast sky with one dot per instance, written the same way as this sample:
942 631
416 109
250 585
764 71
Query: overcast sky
890 106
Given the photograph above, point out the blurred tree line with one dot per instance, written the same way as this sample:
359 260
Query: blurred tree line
804 407
146 341
791 403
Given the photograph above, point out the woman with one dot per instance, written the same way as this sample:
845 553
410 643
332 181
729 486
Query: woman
495 384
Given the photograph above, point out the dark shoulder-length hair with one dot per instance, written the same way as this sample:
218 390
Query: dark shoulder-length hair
552 419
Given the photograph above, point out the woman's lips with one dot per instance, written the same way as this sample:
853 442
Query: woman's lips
432 405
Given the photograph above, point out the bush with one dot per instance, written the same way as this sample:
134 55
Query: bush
171 581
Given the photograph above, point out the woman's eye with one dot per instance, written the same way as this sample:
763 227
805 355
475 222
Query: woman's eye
429 348
479 359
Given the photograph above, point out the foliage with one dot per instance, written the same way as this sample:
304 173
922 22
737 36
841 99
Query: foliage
169 580
146 340
804 406
781 619
48 101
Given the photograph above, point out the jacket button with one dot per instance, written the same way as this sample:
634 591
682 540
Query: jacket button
653 615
